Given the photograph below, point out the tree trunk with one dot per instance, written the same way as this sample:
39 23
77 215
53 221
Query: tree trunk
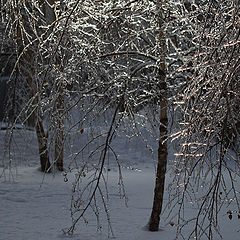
162 149
59 138
59 149
48 10
58 113
42 146
161 169
28 71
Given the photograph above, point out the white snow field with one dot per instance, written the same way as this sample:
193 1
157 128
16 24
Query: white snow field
34 206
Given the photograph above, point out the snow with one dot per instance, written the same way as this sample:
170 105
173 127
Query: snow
31 209
36 206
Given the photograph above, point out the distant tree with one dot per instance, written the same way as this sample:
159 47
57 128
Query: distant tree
31 25
24 33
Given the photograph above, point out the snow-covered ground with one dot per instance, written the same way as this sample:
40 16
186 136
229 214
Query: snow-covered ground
34 206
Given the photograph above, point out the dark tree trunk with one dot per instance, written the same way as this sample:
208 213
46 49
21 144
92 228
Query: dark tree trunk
59 138
161 171
162 149
59 150
58 113
42 146
27 69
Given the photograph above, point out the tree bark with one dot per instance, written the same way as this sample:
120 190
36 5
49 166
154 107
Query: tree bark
42 146
161 169
162 149
49 11
58 113
59 138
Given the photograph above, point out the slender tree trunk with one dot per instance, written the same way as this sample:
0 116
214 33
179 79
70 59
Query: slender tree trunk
59 138
28 71
162 149
58 111
161 168
42 146
59 149
48 10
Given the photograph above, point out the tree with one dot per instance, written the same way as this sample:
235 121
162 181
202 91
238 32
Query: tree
124 61
163 148
32 26
27 59
206 166
58 112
